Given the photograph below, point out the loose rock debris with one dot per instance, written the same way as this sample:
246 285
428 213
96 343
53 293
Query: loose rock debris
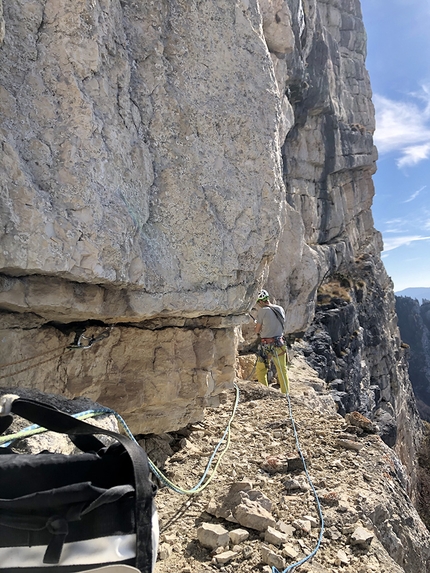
260 511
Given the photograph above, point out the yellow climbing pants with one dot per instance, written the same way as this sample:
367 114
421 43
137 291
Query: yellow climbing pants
279 356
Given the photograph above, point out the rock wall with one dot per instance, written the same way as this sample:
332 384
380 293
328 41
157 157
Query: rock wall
328 154
161 161
140 180
138 371
354 345
414 325
127 158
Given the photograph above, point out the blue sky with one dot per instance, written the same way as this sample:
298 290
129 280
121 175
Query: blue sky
398 60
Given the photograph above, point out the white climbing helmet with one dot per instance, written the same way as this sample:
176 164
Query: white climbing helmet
263 295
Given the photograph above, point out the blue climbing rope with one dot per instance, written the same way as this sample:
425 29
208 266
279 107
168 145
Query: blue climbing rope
318 504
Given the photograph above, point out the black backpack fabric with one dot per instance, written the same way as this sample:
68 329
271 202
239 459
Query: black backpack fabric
70 513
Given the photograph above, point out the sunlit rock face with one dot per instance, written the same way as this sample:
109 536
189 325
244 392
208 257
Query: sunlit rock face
140 152
160 162
328 153
141 180
328 160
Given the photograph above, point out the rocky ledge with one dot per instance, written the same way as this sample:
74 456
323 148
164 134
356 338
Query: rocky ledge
260 511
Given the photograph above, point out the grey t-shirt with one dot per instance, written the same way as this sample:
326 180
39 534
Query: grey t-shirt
271 325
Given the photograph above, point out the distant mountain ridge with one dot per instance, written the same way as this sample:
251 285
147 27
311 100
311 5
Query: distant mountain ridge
415 292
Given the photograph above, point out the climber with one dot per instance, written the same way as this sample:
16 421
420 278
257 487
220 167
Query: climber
270 326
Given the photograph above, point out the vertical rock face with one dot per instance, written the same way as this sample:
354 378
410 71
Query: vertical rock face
329 241
160 161
140 179
328 154
128 158
414 324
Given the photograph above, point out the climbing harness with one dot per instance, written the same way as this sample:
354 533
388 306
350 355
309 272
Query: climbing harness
268 347
6 441
317 501
272 349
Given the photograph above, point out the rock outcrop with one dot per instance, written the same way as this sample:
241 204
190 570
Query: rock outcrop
160 162
414 325
141 181
328 154
355 346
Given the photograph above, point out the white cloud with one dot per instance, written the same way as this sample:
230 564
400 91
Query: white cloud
395 226
396 242
420 220
415 195
424 96
413 227
414 154
404 127
394 221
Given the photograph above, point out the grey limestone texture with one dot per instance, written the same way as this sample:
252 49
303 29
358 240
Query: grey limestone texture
160 162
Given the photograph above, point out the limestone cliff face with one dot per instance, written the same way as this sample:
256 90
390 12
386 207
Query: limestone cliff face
140 155
414 325
141 180
328 154
161 161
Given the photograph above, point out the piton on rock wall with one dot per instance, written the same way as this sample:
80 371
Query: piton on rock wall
161 161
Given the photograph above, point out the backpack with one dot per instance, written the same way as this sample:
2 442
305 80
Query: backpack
75 513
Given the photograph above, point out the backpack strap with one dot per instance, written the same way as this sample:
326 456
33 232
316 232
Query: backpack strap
57 421
278 316
5 422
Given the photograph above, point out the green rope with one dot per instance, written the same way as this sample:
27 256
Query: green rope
201 485
35 429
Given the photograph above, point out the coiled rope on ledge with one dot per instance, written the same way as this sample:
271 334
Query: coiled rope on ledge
200 485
